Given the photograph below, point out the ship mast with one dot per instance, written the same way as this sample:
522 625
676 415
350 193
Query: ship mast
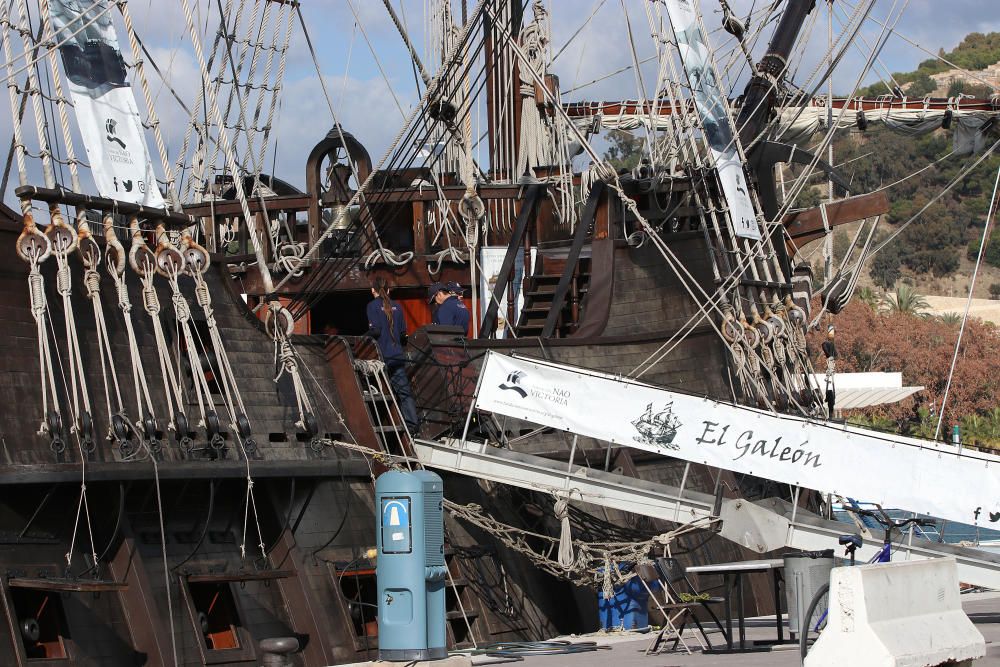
761 93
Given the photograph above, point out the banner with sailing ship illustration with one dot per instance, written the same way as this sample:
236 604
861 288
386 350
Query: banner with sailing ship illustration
105 107
715 122
893 471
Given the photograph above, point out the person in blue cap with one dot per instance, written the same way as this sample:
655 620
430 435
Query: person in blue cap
450 309
388 327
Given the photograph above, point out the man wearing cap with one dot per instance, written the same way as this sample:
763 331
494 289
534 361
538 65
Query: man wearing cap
450 309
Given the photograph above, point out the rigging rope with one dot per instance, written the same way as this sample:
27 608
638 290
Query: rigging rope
61 101
34 92
90 253
428 94
990 218
228 151
143 262
170 264
64 241
34 248
117 258
195 265
279 324
677 266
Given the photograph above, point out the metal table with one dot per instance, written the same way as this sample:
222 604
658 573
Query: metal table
732 577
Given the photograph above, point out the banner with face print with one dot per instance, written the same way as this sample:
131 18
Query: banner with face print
102 98
715 121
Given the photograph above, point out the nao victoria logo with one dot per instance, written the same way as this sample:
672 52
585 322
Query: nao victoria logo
513 384
111 126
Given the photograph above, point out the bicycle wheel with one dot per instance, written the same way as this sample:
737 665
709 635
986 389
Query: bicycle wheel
807 623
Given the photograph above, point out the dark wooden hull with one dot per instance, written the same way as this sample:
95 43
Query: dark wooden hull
312 512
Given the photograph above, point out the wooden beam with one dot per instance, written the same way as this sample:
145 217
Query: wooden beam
806 226
880 103
305 612
413 275
139 603
232 207
67 585
102 471
70 198
244 575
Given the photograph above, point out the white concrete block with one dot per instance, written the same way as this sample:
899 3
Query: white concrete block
902 614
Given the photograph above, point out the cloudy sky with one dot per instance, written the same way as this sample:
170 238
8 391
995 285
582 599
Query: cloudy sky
365 89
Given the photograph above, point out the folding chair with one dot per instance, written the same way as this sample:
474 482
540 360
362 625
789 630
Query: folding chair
680 589
675 614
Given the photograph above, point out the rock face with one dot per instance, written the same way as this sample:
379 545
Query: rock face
943 80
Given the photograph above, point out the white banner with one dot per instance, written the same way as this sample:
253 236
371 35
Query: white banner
715 122
490 261
895 472
105 107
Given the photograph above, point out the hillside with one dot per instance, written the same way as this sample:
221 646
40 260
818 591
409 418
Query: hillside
936 253
977 52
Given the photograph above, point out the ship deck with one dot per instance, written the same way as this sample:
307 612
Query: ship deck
627 649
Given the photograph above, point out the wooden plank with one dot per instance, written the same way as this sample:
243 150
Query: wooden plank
67 585
245 575
341 359
414 274
139 603
305 613
102 471
806 226
70 198
232 207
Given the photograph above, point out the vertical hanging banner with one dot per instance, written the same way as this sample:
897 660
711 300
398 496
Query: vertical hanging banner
105 107
490 260
715 122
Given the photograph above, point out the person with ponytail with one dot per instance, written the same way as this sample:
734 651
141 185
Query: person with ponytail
388 327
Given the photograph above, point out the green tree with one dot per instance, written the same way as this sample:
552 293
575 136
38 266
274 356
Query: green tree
922 85
809 197
992 254
868 296
624 150
885 268
906 301
961 87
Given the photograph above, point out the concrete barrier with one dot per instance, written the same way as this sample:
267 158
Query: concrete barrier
903 614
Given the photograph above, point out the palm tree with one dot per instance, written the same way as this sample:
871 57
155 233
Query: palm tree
906 300
868 296
950 318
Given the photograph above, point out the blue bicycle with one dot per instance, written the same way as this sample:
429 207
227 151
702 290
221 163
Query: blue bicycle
851 543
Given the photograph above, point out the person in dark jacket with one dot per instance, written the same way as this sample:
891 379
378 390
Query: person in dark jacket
388 327
450 309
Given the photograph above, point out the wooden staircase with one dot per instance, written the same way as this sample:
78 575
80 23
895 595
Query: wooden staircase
539 291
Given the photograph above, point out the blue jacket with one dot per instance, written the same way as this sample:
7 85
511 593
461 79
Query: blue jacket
454 313
390 343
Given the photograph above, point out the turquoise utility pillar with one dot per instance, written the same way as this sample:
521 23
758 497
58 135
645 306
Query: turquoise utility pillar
410 567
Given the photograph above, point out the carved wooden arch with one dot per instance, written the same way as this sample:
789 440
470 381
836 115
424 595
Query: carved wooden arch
334 140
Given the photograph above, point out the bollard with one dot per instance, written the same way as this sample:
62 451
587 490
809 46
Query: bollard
277 649
410 568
